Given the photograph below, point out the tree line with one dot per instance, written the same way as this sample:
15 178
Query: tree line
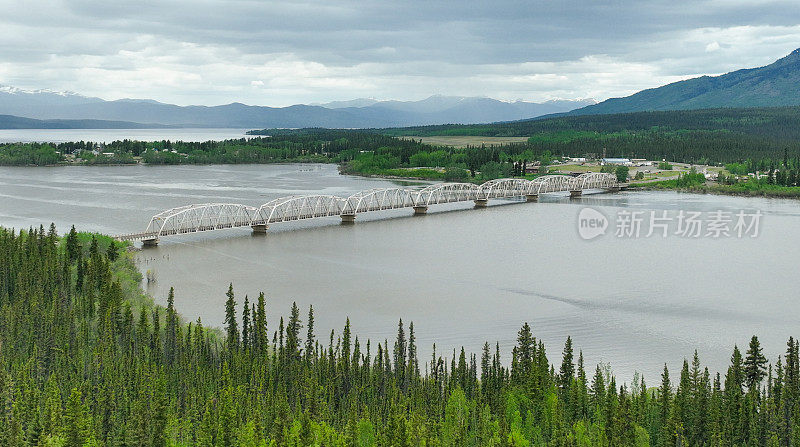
85 359
780 172
720 135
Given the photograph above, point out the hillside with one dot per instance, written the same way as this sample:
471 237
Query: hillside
16 122
779 123
777 84
722 135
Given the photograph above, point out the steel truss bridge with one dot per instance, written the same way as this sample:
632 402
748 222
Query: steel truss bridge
218 216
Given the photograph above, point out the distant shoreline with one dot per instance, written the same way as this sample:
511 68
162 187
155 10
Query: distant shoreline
725 190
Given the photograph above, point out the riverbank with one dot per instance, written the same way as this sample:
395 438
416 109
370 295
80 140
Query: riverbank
746 189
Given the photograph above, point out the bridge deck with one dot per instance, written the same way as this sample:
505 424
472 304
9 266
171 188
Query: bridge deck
218 216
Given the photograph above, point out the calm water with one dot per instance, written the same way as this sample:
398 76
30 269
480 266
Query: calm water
464 276
109 135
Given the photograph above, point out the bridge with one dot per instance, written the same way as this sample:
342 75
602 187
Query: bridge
218 216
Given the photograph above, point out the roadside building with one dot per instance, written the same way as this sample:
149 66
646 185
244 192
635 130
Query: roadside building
533 168
616 161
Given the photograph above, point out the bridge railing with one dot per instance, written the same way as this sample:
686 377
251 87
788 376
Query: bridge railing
214 216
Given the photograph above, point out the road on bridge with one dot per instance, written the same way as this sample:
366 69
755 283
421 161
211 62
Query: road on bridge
218 216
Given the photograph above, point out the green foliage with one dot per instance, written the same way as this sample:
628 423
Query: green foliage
79 366
737 168
29 154
689 180
756 188
699 136
664 165
622 174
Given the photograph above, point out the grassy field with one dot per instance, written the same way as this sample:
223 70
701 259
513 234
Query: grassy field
663 174
463 141
575 168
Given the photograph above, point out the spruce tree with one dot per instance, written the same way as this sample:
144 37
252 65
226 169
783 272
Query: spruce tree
260 334
246 331
567 371
526 345
754 365
74 421
293 334
664 407
231 327
400 351
171 332
310 337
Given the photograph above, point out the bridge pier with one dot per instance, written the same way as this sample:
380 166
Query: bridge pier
259 229
532 197
481 203
348 218
420 209
614 189
575 193
149 242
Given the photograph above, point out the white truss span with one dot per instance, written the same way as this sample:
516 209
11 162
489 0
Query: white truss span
216 216
291 208
594 180
202 217
447 193
379 199
507 188
553 183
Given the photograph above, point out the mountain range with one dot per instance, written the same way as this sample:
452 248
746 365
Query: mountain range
776 84
360 113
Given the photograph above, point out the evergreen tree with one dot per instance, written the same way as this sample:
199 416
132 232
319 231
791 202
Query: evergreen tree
755 365
400 350
171 331
310 337
260 334
75 424
293 334
567 371
231 327
246 331
665 406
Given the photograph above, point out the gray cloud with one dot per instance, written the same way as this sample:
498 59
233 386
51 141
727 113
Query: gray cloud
278 53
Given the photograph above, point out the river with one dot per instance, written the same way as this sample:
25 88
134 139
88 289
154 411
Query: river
462 275
109 135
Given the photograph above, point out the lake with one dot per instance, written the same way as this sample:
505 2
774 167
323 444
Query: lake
462 275
109 135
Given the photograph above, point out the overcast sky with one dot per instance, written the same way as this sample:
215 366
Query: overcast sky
281 53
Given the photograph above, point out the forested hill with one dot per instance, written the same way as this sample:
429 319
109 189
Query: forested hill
777 84
18 122
779 123
717 135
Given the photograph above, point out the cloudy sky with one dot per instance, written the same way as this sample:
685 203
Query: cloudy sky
281 53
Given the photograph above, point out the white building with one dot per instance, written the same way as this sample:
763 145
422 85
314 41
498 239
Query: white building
616 161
